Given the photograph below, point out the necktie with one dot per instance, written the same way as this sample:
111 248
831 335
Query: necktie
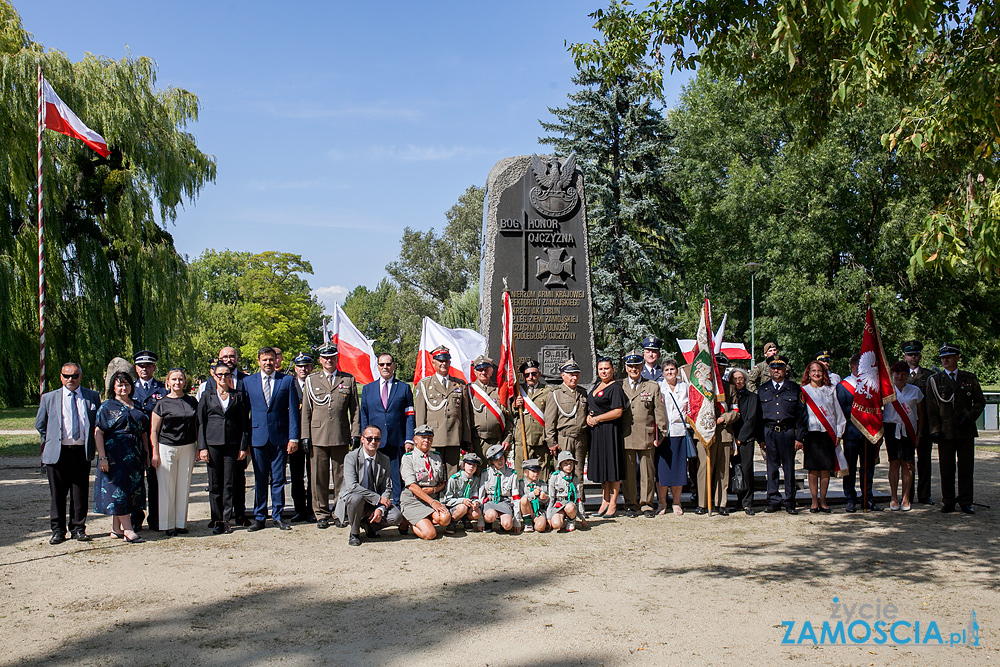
267 390
75 416
385 393
952 375
369 476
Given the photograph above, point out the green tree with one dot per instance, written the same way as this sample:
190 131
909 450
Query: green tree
115 282
633 217
941 59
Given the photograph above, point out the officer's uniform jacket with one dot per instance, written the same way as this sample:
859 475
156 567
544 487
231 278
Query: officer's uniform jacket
644 413
566 417
461 486
559 489
953 406
145 399
486 428
920 378
329 413
654 373
533 431
785 409
446 410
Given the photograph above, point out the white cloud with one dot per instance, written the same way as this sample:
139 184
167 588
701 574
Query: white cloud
331 295
409 153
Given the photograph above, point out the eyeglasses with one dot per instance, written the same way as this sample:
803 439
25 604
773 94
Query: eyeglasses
223 375
372 438
381 365
531 374
72 376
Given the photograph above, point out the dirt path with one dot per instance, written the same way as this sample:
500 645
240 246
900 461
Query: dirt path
669 590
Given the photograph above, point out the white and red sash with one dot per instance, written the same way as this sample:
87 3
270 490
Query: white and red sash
485 399
904 414
531 408
848 385
840 461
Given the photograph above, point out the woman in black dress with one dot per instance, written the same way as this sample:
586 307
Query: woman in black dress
606 463
123 454
223 439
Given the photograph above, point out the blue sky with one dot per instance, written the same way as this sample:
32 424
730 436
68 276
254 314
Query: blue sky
337 124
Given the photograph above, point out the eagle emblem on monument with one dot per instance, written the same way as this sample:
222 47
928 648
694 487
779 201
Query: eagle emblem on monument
554 196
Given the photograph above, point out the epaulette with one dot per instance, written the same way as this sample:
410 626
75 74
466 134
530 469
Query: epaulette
456 475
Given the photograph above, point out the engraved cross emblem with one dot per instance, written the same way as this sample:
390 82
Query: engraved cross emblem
555 268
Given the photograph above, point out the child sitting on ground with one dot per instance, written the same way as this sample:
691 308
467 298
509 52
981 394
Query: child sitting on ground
501 492
565 497
534 498
461 495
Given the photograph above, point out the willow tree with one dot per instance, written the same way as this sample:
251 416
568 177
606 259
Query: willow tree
115 281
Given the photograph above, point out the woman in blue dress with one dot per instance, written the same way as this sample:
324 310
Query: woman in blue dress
123 454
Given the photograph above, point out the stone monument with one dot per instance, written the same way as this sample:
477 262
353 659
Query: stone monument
535 247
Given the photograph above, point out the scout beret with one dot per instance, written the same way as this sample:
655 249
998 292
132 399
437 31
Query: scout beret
328 350
569 367
423 429
441 353
565 456
913 347
145 357
494 452
472 457
823 355
777 361
651 343
530 363
531 464
948 349
303 359
634 358
482 361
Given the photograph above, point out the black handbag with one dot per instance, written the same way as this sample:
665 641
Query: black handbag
738 483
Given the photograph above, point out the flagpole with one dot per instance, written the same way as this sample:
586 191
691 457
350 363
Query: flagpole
41 245
864 478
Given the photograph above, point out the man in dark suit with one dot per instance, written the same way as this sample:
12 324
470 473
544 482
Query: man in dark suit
912 354
783 411
954 402
274 433
298 463
148 390
366 497
65 420
388 404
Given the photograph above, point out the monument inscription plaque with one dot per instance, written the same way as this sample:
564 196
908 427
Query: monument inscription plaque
535 247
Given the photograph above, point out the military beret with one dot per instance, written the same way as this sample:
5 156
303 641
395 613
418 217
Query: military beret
721 359
145 357
303 359
948 349
441 353
770 344
472 457
651 343
569 367
913 347
565 456
423 429
328 350
531 464
634 358
777 361
482 361
494 452
823 355
530 363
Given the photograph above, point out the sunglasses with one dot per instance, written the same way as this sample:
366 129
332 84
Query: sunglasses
223 375
372 438
381 365
72 376
531 374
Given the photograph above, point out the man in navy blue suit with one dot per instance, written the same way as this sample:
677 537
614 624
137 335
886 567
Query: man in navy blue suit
388 404
274 433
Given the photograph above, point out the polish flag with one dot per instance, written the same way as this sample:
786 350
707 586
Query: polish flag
873 388
60 118
465 346
355 354
507 372
731 350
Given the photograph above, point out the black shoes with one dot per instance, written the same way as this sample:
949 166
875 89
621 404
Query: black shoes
948 508
791 510
303 518
170 532
281 525
925 501
354 541
700 510
649 514
630 514
372 532
57 537
219 528
323 524
967 509
81 536
749 510
255 526
721 511
771 509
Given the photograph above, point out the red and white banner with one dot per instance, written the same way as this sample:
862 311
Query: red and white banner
705 388
731 350
60 118
874 384
532 408
465 345
355 354
840 461
506 372
485 399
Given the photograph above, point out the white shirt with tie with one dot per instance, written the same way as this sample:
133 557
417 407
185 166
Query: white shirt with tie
67 416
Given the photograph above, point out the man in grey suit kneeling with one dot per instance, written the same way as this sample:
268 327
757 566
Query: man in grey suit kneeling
366 497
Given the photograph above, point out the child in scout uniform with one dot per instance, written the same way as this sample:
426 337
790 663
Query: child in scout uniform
534 499
461 496
565 496
501 492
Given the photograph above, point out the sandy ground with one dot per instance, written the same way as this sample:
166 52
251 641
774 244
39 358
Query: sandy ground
697 590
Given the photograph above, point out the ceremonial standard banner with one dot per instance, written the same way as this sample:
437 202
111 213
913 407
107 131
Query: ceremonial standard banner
874 386
705 389
506 372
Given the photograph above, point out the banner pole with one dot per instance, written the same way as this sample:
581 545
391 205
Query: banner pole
41 244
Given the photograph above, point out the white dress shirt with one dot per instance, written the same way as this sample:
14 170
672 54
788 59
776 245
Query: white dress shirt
67 417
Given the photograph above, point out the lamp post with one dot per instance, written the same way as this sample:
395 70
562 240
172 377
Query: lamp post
752 267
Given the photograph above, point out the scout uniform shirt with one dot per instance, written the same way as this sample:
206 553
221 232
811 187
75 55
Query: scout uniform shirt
443 404
486 429
528 488
566 421
645 414
461 486
329 414
426 470
564 489
502 486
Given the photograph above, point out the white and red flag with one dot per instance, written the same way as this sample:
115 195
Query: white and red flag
731 350
873 388
465 345
705 389
506 371
60 118
355 354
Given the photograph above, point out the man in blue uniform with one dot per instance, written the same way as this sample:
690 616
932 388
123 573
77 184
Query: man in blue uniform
148 391
651 359
783 412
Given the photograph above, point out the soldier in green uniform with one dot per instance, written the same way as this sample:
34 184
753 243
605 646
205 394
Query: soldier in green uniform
442 402
566 415
644 420
484 398
912 354
533 439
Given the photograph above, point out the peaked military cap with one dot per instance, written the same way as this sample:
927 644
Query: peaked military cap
948 349
651 343
145 357
569 367
494 452
531 464
823 355
721 359
913 347
423 429
472 457
634 358
328 350
777 361
303 359
441 353
482 361
530 363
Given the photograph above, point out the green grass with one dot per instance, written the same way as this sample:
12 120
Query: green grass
18 418
19 445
